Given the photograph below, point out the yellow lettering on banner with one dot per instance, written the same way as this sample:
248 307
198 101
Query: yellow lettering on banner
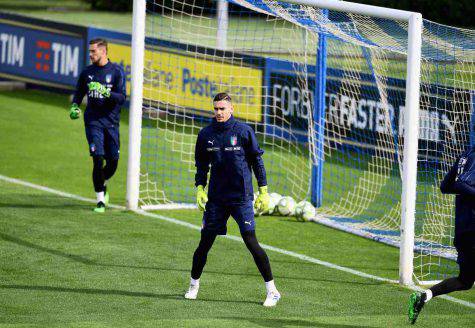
191 83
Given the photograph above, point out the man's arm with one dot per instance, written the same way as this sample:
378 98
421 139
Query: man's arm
465 182
201 177
201 162
119 94
447 185
81 89
254 154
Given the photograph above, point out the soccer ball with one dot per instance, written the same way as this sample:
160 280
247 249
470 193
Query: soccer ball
273 201
286 206
299 209
305 211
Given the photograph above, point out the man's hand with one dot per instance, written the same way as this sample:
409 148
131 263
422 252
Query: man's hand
102 89
262 201
74 112
201 197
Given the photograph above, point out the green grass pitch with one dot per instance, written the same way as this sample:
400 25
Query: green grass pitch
61 265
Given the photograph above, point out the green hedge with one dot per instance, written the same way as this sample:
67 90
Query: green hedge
111 5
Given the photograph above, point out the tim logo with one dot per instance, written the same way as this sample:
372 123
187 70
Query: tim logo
62 59
12 49
233 141
43 56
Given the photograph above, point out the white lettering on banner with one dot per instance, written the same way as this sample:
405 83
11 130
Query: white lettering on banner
343 110
429 125
13 49
286 111
56 47
450 127
65 59
293 101
333 105
363 114
350 112
371 106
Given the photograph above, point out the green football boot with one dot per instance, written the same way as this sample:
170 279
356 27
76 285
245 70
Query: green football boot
416 303
100 208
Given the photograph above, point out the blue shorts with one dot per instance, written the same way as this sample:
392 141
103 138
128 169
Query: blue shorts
103 141
216 217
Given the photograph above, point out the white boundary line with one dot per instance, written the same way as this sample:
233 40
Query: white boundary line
235 238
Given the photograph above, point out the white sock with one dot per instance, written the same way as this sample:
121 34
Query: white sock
100 196
270 286
195 282
428 295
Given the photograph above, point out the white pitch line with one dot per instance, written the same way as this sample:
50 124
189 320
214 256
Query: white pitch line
235 238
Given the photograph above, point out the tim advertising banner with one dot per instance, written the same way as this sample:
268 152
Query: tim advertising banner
41 52
355 112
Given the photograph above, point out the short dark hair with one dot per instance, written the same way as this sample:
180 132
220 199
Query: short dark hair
222 96
100 42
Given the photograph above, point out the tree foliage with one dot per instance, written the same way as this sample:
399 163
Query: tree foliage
459 13
111 5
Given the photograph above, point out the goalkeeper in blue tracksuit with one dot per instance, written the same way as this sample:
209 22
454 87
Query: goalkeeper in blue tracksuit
460 180
104 84
231 149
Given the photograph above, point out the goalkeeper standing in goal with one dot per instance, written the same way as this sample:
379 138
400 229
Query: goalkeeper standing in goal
460 180
104 83
231 148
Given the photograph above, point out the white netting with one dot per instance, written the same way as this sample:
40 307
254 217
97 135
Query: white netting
269 66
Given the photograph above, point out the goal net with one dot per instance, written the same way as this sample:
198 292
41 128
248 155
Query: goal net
278 61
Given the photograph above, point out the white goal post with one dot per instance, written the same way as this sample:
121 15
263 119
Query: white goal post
135 112
411 116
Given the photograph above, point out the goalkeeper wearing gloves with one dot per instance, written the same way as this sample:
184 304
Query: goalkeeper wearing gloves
231 148
104 84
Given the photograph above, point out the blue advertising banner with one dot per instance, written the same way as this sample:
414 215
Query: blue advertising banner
41 52
355 112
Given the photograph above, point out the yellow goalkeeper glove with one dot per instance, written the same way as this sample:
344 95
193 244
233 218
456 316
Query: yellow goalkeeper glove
201 197
262 201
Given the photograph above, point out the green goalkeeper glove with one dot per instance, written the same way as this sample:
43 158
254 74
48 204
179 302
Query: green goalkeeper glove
74 112
102 89
262 201
201 198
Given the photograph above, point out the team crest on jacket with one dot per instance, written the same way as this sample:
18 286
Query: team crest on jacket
108 78
233 140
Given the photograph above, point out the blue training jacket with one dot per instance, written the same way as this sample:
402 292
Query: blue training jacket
460 180
102 111
232 150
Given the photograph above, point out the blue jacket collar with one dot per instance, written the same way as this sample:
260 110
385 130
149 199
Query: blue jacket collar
221 126
109 64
